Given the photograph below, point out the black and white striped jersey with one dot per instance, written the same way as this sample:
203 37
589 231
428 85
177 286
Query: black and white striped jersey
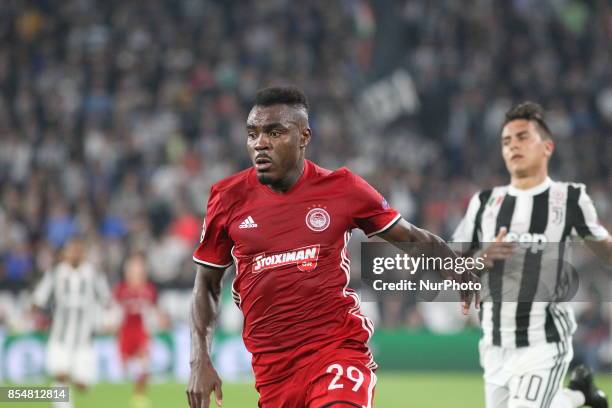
551 214
75 294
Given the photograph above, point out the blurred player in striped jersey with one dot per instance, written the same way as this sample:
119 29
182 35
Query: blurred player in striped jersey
137 297
73 289
526 346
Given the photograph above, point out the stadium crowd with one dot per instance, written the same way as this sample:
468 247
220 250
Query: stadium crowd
117 116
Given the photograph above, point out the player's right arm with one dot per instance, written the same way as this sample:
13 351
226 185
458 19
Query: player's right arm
213 256
467 233
204 379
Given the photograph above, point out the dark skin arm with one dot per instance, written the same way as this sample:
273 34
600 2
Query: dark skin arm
603 249
404 232
203 379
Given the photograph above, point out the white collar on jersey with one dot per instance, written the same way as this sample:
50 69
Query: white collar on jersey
530 191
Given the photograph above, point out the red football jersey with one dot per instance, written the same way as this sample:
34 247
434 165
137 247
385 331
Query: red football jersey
292 263
134 302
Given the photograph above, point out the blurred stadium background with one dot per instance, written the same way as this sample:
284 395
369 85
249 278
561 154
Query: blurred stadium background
116 116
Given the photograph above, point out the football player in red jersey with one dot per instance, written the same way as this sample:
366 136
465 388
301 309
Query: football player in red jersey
137 296
285 224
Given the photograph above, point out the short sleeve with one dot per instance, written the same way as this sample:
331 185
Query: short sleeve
368 209
465 230
585 219
215 245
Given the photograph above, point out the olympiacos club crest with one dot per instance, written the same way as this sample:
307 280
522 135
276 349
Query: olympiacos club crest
318 219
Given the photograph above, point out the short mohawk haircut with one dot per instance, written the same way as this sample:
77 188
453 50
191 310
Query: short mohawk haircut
530 111
289 95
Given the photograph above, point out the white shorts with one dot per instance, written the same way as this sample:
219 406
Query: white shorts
80 364
526 377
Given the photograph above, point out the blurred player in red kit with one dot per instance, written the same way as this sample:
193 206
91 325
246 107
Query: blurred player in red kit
285 223
137 297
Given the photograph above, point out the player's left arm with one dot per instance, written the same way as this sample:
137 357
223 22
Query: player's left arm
597 238
603 249
405 232
372 214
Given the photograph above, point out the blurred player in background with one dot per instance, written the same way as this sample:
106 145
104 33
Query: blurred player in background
526 346
286 223
137 297
74 289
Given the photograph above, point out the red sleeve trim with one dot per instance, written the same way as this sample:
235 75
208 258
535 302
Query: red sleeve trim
210 264
386 227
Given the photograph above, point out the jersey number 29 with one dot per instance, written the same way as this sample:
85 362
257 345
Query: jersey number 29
352 374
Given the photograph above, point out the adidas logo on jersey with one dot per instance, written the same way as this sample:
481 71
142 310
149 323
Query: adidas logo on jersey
248 223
